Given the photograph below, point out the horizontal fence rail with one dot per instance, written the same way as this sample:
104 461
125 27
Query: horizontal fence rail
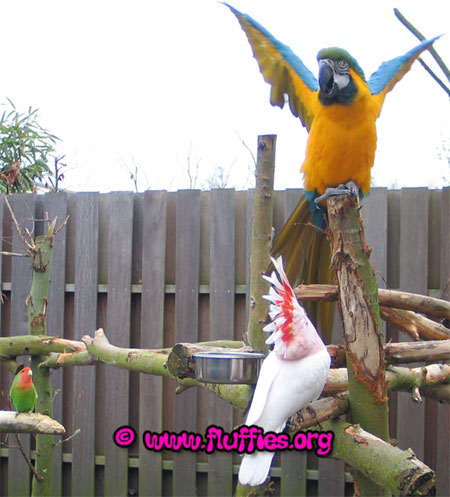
157 268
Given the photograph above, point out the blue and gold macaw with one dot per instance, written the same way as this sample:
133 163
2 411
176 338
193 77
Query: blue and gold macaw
339 111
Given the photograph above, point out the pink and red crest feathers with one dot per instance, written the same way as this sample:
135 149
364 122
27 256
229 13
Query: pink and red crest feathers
294 336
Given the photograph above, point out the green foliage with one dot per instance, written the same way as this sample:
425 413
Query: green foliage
24 150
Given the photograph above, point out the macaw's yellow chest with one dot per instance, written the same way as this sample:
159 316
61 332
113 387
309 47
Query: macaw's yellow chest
341 146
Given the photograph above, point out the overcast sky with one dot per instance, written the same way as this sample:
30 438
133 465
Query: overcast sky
155 85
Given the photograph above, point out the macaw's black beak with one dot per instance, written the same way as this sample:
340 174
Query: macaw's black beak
327 85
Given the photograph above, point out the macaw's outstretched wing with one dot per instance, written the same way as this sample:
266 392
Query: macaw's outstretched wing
282 69
389 73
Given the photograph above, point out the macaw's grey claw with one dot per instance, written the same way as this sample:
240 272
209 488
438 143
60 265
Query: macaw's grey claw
350 188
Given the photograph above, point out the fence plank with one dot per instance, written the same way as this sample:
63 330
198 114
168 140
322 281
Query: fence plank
443 411
55 204
221 324
331 477
293 473
413 278
186 316
393 256
240 231
293 464
120 231
445 243
152 329
23 207
374 213
85 322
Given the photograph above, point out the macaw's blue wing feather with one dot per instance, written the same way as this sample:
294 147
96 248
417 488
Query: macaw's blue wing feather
282 69
389 73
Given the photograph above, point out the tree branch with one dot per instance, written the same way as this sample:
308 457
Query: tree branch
416 325
61 352
388 298
433 382
398 471
261 241
402 352
11 422
37 345
358 298
149 361
421 37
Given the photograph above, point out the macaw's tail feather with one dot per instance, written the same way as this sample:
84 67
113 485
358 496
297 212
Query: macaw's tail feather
255 468
306 255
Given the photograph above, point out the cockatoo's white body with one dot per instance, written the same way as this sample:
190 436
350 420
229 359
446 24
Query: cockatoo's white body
292 375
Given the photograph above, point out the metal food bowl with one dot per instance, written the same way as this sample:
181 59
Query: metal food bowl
231 367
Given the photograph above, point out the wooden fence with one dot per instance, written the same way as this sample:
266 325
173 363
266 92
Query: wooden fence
157 268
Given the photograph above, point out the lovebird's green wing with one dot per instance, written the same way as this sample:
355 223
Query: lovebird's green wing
282 69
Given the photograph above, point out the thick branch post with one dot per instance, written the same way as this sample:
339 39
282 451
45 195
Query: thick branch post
358 296
37 302
261 241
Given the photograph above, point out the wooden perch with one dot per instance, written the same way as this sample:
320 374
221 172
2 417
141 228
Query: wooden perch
61 352
433 381
179 360
430 351
397 378
402 352
389 298
149 361
37 345
176 362
423 377
319 411
11 422
416 325
389 467
413 302
398 308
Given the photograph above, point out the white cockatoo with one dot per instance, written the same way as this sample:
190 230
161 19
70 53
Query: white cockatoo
292 375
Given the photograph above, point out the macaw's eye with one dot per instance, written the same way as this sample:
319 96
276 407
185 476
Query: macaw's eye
342 66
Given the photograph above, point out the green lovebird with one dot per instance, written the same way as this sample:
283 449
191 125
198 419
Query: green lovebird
23 393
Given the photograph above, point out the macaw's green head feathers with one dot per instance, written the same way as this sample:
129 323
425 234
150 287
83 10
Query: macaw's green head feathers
337 54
